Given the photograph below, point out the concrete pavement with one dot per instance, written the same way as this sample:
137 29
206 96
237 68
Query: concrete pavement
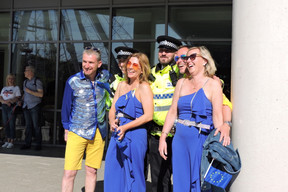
40 171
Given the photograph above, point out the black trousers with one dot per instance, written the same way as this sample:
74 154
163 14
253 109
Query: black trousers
161 170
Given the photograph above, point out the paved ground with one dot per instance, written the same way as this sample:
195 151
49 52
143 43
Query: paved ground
39 171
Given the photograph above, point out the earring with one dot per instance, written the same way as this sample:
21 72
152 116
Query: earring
204 64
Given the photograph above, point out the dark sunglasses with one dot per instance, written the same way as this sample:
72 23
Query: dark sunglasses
192 57
93 48
181 57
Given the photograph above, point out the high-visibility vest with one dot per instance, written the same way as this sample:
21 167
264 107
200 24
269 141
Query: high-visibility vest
115 83
163 91
226 101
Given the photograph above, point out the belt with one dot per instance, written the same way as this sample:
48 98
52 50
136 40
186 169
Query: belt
125 116
193 123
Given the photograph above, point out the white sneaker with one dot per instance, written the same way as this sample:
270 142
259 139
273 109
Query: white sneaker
5 145
10 145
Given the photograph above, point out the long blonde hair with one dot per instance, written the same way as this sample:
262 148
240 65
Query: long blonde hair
145 66
10 75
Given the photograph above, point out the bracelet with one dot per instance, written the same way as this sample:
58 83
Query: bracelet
229 123
165 133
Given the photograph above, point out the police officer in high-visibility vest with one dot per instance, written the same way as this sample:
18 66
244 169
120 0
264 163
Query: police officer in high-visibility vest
164 77
122 54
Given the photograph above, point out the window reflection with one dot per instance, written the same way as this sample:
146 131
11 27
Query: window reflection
43 58
35 25
4 63
195 22
84 24
4 26
138 23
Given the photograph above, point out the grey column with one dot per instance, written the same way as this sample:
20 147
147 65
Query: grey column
260 94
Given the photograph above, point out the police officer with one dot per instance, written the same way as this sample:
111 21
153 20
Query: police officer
163 80
122 54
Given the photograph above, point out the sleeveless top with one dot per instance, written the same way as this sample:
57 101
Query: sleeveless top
196 107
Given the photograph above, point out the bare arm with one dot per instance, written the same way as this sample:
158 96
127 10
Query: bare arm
169 121
146 98
227 113
9 101
217 103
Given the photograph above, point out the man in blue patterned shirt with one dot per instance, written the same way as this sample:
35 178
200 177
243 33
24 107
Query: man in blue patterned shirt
83 118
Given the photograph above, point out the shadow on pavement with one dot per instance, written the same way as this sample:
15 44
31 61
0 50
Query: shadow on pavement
47 151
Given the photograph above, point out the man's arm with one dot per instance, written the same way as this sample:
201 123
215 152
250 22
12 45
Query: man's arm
38 93
67 103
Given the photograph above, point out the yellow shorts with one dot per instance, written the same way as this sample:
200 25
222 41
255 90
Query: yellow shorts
75 148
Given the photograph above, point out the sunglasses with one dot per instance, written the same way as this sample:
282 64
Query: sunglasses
135 66
93 48
181 57
192 57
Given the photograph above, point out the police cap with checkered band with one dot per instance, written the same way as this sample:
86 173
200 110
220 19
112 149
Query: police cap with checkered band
168 42
124 52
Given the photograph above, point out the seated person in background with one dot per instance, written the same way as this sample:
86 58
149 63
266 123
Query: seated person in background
9 97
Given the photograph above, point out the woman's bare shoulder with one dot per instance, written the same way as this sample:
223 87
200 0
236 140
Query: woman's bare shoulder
144 85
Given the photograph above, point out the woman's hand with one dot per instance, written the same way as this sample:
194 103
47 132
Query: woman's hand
121 133
114 125
163 147
224 130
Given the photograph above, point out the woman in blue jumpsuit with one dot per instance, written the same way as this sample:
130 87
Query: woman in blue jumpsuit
132 108
196 109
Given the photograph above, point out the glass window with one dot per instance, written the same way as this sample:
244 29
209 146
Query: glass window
71 61
43 58
4 26
35 25
125 2
196 22
59 130
4 63
83 3
5 4
138 23
84 24
34 3
47 122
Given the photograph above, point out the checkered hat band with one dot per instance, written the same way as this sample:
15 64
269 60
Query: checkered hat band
169 44
124 53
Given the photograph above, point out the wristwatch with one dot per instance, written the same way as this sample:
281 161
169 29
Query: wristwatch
229 123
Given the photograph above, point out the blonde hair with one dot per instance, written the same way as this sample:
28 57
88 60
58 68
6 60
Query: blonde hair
210 67
145 66
10 75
